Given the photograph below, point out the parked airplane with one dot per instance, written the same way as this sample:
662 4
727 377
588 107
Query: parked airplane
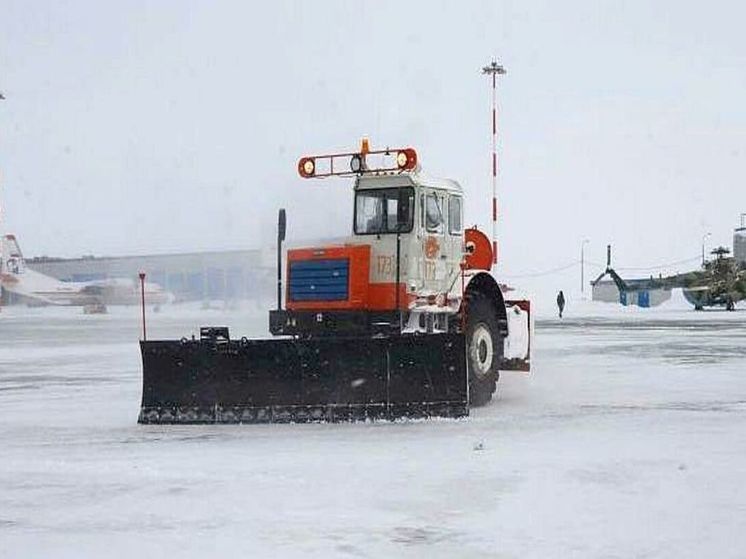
40 289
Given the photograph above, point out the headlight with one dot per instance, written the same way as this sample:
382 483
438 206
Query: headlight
356 164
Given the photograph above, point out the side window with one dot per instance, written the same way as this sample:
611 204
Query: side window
454 215
433 214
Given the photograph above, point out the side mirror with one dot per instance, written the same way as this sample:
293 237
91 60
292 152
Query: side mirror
281 225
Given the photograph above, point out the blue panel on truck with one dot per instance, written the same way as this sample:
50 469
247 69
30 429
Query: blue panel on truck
319 280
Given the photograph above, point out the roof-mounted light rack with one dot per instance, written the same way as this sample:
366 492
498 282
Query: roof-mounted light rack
356 163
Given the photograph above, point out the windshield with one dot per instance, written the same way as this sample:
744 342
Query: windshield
384 210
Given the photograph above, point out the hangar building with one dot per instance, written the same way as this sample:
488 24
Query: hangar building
219 275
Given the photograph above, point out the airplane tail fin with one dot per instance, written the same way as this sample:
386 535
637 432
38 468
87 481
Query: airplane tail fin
11 259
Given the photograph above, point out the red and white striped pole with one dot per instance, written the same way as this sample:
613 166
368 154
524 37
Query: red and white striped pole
493 70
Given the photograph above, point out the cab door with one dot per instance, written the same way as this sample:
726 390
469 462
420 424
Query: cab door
454 241
434 250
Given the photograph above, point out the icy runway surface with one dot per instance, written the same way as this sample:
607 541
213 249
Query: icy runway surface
628 440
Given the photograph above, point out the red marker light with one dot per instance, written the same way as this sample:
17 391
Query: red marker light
406 159
306 167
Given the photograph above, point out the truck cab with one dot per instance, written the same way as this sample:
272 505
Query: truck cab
413 225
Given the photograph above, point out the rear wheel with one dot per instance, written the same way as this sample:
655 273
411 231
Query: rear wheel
484 348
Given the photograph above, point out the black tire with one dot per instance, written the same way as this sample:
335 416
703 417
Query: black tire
484 348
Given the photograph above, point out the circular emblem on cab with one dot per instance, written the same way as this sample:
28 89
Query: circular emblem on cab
432 247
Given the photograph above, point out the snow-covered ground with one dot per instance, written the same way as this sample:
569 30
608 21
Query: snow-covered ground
627 440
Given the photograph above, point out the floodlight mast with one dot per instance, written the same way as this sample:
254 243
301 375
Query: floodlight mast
494 69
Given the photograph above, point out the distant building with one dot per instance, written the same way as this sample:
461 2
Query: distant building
218 275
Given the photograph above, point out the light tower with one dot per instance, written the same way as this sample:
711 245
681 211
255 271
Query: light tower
494 69
704 238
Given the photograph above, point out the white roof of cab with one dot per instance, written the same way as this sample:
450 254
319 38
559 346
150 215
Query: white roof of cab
416 178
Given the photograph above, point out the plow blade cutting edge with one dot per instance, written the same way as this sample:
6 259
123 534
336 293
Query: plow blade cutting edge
311 380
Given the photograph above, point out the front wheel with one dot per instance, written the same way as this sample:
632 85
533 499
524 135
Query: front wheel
484 348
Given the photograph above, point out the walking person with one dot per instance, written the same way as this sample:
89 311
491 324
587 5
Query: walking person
561 302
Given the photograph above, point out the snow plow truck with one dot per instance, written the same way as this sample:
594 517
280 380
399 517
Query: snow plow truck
404 319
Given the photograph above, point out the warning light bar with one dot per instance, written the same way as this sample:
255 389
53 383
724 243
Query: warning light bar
357 163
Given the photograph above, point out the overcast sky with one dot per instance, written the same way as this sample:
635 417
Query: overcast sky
140 127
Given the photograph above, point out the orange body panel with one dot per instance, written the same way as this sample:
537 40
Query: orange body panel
382 296
362 295
479 255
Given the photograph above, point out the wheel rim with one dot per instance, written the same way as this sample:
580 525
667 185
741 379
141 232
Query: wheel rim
481 350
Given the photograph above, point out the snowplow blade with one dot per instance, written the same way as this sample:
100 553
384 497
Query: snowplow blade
311 380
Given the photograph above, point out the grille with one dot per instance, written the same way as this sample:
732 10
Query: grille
319 280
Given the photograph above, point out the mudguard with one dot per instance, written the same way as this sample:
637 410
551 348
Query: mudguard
304 380
517 350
